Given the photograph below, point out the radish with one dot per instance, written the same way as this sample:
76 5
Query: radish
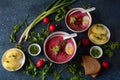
40 63
52 28
85 41
105 64
46 20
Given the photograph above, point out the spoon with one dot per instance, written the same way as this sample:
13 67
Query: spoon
88 10
83 11
69 36
66 36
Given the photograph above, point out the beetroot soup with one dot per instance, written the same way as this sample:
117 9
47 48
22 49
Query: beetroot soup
78 21
56 48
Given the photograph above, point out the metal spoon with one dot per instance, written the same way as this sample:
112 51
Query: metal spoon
83 11
69 36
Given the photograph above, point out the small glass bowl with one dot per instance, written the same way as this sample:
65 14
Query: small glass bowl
38 52
96 54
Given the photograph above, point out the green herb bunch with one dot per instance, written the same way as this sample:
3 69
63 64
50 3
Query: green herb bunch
16 29
110 47
31 69
77 74
46 69
35 37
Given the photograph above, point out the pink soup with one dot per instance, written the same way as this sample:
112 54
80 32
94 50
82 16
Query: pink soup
78 24
61 56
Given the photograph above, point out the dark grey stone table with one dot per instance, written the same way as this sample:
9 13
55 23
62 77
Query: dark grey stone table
14 11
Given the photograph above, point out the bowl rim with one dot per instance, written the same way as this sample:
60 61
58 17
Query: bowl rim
54 33
99 48
108 34
35 45
21 60
80 10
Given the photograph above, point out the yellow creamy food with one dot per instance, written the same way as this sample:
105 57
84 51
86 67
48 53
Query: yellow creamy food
98 34
11 59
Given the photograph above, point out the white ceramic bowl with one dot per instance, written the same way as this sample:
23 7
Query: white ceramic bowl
98 48
72 11
52 35
37 45
107 35
21 61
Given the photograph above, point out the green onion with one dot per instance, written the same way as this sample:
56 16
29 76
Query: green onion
48 11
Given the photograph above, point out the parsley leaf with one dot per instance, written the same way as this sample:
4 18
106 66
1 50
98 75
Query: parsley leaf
45 71
110 47
73 68
76 78
56 75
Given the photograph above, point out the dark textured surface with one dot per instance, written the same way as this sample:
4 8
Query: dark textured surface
13 11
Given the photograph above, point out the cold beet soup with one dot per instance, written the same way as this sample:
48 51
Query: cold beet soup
59 50
78 21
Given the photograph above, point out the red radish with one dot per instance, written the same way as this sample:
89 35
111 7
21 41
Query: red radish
46 20
85 41
105 64
52 27
40 63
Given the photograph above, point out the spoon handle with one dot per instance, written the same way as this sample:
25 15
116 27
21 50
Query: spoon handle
83 11
69 36
89 10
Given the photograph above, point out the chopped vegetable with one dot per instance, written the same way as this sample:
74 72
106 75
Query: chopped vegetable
52 8
34 49
95 52
56 49
72 20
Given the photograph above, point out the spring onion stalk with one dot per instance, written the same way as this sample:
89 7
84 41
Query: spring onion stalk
52 8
